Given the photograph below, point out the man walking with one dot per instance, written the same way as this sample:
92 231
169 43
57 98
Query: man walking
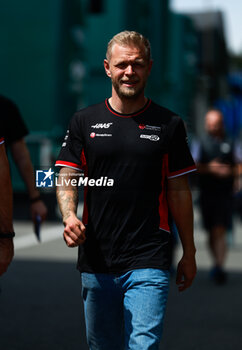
217 168
124 238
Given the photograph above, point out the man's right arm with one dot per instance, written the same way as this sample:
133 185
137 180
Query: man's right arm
6 213
67 197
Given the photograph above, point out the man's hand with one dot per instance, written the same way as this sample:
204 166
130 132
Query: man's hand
220 169
38 209
186 272
74 232
6 253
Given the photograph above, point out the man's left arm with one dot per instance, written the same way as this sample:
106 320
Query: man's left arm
6 213
180 205
22 159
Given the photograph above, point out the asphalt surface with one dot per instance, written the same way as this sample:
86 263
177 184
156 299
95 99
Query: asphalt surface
41 309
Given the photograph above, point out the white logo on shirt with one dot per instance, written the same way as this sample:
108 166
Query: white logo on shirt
65 138
150 137
102 125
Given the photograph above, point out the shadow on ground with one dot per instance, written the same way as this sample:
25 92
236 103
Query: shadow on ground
206 316
40 308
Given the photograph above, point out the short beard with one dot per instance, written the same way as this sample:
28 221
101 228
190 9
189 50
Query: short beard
131 93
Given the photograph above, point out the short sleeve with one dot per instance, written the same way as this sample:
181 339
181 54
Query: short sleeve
180 160
71 153
1 140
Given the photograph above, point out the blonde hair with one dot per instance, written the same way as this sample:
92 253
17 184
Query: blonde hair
129 38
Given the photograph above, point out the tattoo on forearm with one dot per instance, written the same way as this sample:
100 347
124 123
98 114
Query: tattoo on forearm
68 201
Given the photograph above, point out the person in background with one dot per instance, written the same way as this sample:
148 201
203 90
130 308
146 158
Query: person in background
14 130
217 170
6 212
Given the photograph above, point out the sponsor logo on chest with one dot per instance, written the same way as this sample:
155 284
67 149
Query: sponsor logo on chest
93 134
150 137
149 127
101 125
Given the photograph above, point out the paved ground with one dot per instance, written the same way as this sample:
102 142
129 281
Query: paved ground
40 305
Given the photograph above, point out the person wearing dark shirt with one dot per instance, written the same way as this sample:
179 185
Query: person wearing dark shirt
6 211
14 130
135 160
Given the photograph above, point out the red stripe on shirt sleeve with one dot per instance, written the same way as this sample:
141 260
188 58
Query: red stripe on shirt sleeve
68 164
1 140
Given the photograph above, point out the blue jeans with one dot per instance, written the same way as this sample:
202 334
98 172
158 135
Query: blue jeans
125 311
